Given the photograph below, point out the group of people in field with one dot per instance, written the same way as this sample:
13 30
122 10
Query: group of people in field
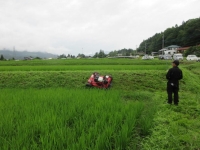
173 76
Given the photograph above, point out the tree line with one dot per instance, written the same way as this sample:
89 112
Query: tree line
123 52
185 35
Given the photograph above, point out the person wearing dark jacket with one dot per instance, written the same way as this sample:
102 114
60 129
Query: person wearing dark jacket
173 76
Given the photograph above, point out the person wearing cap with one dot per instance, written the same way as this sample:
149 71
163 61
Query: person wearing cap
173 76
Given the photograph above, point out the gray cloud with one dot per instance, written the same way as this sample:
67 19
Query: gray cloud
77 26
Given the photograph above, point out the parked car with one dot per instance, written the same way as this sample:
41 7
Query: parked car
137 56
151 57
178 57
192 57
166 56
160 56
147 57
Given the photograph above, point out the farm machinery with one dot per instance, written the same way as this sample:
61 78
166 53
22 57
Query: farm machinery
96 80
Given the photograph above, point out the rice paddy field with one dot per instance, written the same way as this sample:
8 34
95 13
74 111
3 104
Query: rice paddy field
44 105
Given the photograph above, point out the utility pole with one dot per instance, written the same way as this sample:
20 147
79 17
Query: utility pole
136 50
14 52
163 41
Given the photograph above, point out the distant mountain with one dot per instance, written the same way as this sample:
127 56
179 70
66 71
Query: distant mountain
8 54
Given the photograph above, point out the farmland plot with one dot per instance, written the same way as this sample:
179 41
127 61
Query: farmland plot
69 119
44 105
82 68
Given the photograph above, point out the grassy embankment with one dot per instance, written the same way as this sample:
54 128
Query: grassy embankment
45 107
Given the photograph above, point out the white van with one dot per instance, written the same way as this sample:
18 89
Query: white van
178 57
192 57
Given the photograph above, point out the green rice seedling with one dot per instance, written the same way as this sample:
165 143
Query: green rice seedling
105 61
47 108
125 80
66 119
81 67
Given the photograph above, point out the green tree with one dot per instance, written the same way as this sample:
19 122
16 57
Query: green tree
62 56
2 58
95 55
113 53
193 50
37 58
101 54
81 55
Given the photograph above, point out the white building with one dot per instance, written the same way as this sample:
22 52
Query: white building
170 50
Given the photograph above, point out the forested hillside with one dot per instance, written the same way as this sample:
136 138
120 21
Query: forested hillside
187 34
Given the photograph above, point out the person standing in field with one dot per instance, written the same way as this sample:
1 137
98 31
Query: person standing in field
173 75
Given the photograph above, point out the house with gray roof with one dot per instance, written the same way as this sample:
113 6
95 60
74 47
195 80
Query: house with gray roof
172 49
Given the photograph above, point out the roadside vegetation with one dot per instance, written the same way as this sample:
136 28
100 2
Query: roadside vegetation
45 105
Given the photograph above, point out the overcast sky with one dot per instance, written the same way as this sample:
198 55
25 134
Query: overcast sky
86 26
